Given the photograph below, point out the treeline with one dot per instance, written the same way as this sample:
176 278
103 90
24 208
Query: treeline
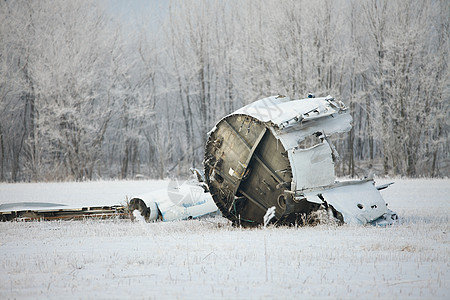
84 97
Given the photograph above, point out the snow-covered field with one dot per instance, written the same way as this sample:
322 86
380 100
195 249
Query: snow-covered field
209 259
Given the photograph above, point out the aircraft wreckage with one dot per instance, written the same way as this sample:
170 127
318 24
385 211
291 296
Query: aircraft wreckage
275 152
271 156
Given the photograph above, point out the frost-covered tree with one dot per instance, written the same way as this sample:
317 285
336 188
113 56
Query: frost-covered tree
401 44
83 97
60 54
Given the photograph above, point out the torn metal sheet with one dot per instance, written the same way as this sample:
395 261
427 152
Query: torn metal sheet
275 152
188 200
359 202
312 167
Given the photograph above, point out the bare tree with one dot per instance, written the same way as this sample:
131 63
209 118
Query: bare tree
83 97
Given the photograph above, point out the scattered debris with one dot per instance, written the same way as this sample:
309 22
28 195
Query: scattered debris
270 161
47 212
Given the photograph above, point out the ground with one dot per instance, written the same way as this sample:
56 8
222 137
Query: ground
210 259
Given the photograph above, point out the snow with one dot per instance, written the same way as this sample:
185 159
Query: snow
207 258
269 215
138 217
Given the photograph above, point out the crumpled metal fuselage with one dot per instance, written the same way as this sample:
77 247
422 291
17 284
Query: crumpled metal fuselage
275 152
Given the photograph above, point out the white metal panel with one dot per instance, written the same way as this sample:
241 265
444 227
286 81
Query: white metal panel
265 110
358 203
312 167
291 137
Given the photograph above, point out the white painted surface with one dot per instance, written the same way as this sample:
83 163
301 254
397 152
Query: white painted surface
312 167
